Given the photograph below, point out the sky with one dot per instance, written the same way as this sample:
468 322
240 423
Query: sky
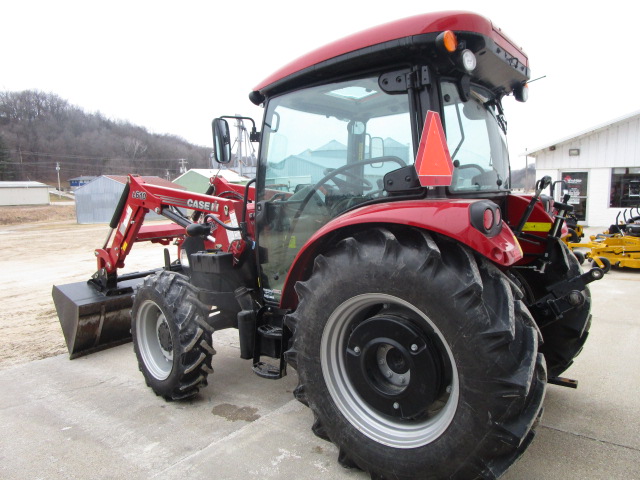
172 67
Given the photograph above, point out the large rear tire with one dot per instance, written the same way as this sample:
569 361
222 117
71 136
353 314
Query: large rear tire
564 338
416 358
171 337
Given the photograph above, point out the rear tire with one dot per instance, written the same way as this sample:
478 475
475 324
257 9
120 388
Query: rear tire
171 337
416 358
564 338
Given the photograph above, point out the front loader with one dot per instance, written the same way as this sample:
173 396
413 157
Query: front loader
379 252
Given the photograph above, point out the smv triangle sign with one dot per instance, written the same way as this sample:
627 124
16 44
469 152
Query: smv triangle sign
433 162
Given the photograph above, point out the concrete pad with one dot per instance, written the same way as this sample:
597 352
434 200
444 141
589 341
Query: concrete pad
559 455
279 445
93 417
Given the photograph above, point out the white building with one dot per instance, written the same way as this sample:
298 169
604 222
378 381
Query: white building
601 168
24 193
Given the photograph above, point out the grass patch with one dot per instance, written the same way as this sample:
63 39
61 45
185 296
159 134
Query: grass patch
36 213
54 198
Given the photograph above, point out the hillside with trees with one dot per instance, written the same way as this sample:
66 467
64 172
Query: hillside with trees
39 131
524 178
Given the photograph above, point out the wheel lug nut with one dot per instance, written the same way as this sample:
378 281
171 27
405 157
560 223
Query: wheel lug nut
396 405
356 350
414 348
402 380
389 374
449 389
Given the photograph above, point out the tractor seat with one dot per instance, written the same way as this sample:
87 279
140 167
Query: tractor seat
633 230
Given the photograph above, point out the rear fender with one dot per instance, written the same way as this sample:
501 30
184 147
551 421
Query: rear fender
451 218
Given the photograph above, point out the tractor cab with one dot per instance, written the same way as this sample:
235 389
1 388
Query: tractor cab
332 133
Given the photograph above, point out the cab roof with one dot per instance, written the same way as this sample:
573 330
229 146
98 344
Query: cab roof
400 33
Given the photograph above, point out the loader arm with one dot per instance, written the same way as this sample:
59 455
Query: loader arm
140 197
95 314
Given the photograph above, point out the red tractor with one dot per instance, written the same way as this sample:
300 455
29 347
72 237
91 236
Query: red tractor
379 252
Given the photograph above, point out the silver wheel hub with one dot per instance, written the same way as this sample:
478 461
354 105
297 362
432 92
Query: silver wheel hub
154 340
373 367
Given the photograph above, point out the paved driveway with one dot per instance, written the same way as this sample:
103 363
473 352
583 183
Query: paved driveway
94 418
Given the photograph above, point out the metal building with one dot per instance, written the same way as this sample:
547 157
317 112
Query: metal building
24 193
197 179
600 168
97 200
77 182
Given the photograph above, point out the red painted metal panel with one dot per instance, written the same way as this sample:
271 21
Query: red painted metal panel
159 233
516 206
145 196
447 217
417 25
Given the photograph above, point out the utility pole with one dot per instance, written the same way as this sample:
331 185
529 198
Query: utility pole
240 141
183 165
21 166
167 175
58 172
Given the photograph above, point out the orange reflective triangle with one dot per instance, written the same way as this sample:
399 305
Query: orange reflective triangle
433 162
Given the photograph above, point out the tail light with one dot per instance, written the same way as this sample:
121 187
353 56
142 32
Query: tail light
486 217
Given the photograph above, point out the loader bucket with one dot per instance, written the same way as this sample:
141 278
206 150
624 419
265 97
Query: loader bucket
91 320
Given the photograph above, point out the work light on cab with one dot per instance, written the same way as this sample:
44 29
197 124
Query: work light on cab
447 42
468 60
521 92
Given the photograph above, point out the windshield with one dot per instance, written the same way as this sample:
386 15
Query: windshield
312 131
325 150
476 141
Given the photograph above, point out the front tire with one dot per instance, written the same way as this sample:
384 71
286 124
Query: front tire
171 337
416 358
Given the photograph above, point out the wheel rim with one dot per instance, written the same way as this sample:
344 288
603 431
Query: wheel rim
154 340
373 365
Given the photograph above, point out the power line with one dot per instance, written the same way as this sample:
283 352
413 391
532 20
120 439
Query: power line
89 157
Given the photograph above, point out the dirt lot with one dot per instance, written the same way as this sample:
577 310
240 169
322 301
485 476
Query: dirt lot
47 213
35 255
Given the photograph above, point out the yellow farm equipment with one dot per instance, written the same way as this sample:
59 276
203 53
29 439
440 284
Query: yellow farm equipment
619 246
576 231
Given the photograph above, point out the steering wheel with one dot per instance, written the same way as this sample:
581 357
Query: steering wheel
341 170
366 184
353 182
312 192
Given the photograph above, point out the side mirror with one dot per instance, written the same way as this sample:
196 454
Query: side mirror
221 140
